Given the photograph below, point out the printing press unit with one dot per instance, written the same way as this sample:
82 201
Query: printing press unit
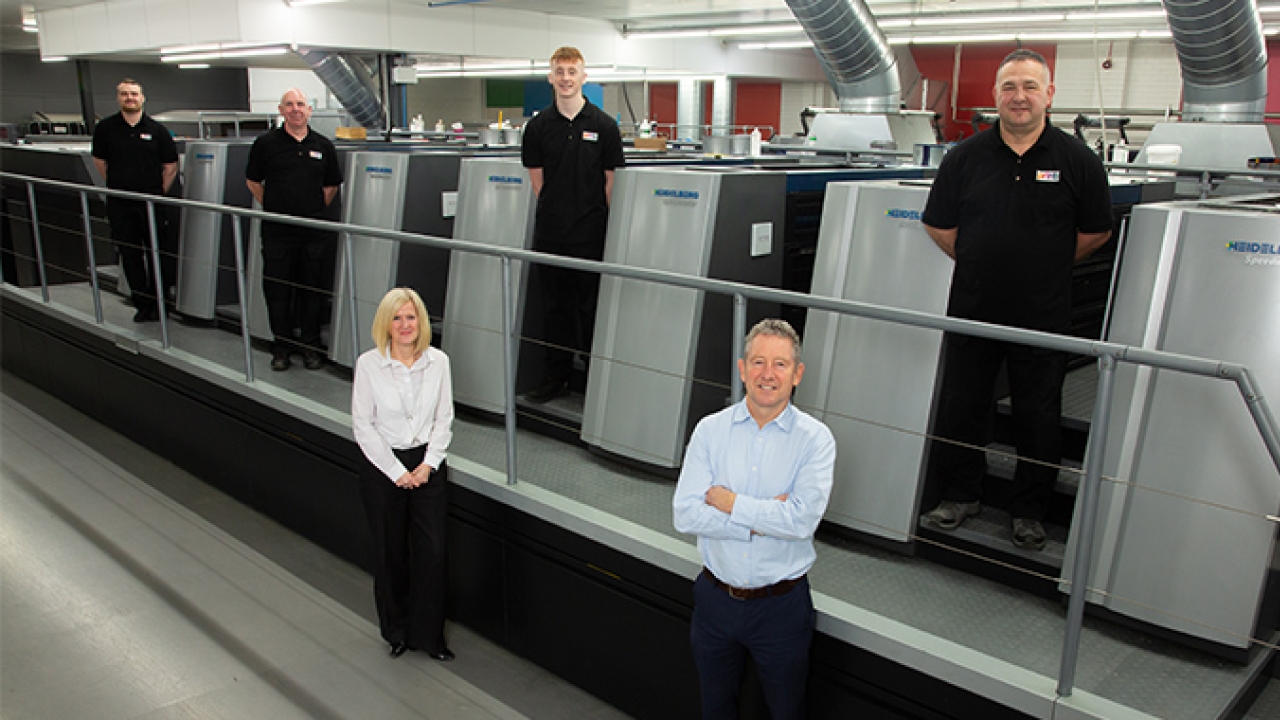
874 383
1186 537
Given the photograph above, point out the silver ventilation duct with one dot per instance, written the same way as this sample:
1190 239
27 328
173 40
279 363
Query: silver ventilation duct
348 78
1223 58
853 52
690 107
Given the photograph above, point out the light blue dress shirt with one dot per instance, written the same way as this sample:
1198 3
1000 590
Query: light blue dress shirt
794 454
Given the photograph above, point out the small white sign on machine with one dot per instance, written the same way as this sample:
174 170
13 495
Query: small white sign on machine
449 204
761 239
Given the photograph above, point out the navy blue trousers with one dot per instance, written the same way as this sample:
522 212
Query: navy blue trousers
776 631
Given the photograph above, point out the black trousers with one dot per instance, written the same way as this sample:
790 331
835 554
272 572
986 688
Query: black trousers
408 528
569 299
131 233
294 286
966 408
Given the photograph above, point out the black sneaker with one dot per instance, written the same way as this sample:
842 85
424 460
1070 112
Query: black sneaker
280 360
1028 534
550 389
312 360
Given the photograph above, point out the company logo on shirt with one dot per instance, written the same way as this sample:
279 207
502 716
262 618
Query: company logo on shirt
377 172
903 214
590 136
317 155
1256 253
1047 176
144 136
506 179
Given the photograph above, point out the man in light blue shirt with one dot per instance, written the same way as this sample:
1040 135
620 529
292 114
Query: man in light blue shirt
755 482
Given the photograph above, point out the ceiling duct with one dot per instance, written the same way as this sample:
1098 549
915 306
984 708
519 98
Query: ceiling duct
348 78
853 52
1223 57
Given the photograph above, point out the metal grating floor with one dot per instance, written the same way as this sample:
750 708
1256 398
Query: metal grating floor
1146 674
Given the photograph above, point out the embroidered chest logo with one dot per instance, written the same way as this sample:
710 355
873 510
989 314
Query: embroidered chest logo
1047 176
317 155
144 136
590 136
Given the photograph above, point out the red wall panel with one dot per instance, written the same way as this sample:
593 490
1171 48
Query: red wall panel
978 65
758 104
1273 78
662 103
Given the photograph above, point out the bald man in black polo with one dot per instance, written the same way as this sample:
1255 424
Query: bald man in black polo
1015 207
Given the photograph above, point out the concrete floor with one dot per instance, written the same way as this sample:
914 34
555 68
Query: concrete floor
133 590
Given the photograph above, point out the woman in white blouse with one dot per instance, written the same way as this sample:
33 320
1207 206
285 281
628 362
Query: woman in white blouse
402 415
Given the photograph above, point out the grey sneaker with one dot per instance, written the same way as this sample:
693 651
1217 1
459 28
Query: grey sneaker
948 515
1028 534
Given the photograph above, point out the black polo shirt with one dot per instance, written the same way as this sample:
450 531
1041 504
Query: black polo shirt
135 154
1017 220
294 175
573 155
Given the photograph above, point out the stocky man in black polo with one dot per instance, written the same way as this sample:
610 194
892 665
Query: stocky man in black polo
1015 207
571 149
134 152
294 170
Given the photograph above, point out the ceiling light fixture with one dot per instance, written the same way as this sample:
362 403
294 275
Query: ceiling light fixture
987 19
225 54
194 66
54 58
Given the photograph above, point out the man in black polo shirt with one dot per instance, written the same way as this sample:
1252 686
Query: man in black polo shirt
136 153
294 170
571 149
1015 207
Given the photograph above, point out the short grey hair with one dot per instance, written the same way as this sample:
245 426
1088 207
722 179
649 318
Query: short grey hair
774 327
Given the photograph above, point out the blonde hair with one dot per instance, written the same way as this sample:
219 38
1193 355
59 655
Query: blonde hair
567 54
391 302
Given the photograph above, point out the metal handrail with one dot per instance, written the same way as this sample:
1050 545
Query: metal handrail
1109 354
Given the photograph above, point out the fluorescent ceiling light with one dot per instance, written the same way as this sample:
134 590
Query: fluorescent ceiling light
784 29
1166 33
54 58
1268 9
193 66
30 28
986 19
791 45
1068 36
189 48
952 39
667 34
301 3
224 54
1117 15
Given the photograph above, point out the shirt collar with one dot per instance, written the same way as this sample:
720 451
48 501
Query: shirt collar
785 421
1043 141
386 361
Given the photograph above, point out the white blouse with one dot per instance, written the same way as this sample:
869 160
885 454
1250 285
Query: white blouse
393 406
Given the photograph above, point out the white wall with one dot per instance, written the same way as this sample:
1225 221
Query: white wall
1143 75
798 96
266 86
